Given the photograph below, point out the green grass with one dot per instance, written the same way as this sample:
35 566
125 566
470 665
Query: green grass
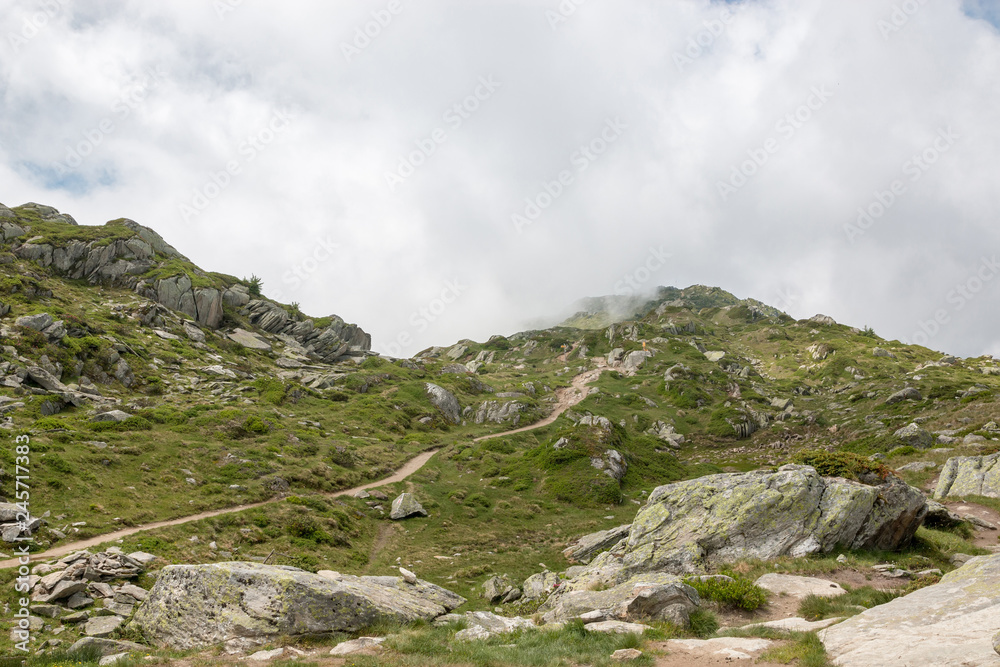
814 607
739 593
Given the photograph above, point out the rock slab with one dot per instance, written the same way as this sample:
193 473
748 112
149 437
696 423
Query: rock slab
951 623
970 476
195 606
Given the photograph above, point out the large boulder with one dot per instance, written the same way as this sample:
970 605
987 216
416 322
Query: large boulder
660 597
970 476
195 606
445 401
949 623
761 515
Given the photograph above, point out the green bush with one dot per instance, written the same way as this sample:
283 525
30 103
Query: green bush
737 593
134 423
271 390
842 464
49 424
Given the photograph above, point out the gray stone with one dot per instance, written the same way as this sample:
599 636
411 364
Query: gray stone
540 585
193 332
79 600
356 645
917 466
633 360
48 610
654 596
951 623
612 464
102 626
111 416
445 401
914 436
939 516
105 647
195 606
406 505
761 515
499 412
39 322
879 352
908 394
588 546
617 627
799 587
484 624
970 476
249 340
495 588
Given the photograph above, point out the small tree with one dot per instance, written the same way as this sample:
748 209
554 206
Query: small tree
254 284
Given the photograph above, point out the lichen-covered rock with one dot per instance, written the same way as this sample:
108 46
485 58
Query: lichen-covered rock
499 412
540 585
445 401
970 476
661 597
612 464
914 436
908 394
949 623
588 546
762 515
194 606
406 505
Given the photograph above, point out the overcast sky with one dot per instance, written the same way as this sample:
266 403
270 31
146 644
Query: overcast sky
488 163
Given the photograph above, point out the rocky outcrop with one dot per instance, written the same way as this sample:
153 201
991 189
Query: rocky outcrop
908 394
611 463
15 523
499 412
949 623
336 341
588 546
761 515
195 606
445 401
970 476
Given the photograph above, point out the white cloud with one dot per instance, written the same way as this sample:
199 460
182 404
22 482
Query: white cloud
780 236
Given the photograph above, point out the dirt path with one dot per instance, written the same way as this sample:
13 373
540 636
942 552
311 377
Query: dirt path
983 538
411 466
565 399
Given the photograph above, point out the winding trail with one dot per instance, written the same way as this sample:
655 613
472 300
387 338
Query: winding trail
410 467
565 399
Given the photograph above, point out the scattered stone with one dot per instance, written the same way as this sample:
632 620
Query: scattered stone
914 436
406 505
879 352
484 624
111 416
102 626
540 585
907 394
264 656
408 576
660 597
357 645
249 340
616 627
799 587
106 647
797 624
625 654
114 659
588 546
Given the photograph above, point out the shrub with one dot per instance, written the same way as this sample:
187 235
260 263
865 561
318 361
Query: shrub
271 390
842 464
737 593
49 424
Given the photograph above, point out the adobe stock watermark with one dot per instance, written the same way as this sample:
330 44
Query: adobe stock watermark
454 117
366 33
121 109
422 318
322 251
247 152
900 16
21 631
786 127
698 43
562 13
632 282
580 160
958 298
34 23
914 168
224 7
785 297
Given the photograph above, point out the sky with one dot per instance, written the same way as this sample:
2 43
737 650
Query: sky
442 170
